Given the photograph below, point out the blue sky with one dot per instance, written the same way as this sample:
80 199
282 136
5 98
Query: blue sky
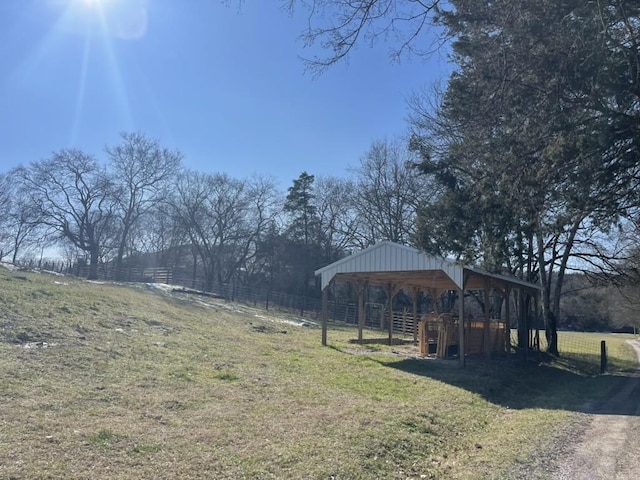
223 84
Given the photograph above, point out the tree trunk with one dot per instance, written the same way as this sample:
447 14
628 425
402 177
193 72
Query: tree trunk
209 274
93 264
118 262
523 312
545 281
551 332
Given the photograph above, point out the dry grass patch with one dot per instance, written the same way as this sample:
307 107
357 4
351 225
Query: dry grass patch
109 381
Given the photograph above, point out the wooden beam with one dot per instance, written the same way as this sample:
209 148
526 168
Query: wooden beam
361 286
507 319
487 317
325 312
415 293
461 339
390 290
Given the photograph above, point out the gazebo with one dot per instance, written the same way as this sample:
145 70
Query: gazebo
396 267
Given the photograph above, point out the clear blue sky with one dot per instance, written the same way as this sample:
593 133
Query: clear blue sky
223 84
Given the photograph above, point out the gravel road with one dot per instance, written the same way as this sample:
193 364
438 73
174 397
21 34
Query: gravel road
609 448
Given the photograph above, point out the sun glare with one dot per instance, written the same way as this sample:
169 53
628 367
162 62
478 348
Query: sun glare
123 19
96 5
87 8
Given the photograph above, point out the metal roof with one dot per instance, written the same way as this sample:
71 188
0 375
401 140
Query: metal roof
391 263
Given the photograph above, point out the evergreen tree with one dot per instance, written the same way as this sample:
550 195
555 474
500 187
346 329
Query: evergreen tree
526 143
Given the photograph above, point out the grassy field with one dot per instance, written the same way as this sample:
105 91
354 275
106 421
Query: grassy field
129 382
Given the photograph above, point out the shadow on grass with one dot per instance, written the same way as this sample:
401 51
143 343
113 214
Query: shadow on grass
511 383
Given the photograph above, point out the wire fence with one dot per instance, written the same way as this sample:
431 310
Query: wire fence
582 349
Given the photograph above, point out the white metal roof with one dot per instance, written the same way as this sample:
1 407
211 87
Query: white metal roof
391 262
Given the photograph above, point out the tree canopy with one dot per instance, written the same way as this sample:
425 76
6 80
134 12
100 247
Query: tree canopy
535 140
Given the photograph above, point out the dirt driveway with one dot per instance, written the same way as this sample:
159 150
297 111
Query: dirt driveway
609 448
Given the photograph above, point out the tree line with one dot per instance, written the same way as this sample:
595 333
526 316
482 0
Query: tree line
141 203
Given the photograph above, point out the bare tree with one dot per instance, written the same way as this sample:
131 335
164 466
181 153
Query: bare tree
142 171
338 26
161 235
73 195
5 196
262 196
338 219
24 229
5 205
224 218
387 194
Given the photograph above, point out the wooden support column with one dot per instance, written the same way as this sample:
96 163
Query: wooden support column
325 312
383 317
361 286
391 291
536 318
415 293
434 295
461 339
487 317
507 319
526 312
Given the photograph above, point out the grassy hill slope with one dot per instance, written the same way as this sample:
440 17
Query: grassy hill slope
128 382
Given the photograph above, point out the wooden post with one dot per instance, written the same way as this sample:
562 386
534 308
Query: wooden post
389 308
507 319
386 289
415 292
425 334
391 291
461 340
603 356
361 311
486 344
325 313
536 318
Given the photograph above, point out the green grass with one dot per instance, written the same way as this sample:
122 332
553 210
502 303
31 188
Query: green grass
108 381
580 351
